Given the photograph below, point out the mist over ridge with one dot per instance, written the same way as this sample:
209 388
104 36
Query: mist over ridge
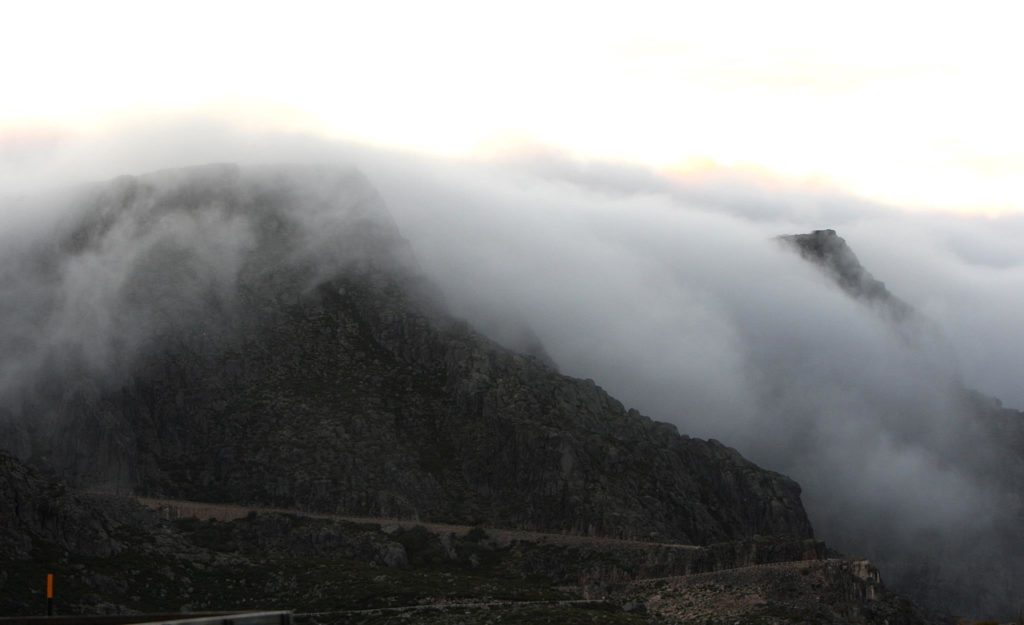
677 299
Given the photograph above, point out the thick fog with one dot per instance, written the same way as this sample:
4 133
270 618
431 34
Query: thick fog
672 294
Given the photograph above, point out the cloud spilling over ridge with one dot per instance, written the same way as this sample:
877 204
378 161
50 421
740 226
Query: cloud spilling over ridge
128 264
672 293
690 311
679 301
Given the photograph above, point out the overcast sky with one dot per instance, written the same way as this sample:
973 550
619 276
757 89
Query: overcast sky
912 103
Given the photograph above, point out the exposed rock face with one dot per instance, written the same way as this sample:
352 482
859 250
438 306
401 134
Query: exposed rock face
830 591
34 509
135 561
263 336
830 251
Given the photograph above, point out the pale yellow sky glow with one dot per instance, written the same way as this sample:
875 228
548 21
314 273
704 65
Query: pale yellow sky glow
912 103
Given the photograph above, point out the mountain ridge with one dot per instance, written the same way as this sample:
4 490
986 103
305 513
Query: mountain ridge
314 367
828 250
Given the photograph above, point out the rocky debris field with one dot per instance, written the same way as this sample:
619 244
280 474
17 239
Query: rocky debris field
835 591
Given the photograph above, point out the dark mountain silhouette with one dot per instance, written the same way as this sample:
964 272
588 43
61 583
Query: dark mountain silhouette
269 340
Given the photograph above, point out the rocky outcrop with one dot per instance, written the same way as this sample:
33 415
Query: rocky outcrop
829 251
35 510
824 591
268 339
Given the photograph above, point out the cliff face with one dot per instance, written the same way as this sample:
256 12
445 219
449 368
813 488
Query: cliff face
268 339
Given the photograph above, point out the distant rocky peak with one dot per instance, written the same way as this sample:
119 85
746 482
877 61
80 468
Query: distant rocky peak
829 251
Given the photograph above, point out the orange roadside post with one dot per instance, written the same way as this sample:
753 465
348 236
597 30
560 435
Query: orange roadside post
49 594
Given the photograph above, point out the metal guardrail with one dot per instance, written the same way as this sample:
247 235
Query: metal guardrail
178 618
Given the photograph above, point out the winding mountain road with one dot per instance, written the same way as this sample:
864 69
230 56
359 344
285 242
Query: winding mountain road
177 508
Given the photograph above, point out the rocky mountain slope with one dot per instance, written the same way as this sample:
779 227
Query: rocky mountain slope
262 335
109 554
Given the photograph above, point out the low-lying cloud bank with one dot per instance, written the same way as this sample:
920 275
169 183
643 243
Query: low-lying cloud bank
672 293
